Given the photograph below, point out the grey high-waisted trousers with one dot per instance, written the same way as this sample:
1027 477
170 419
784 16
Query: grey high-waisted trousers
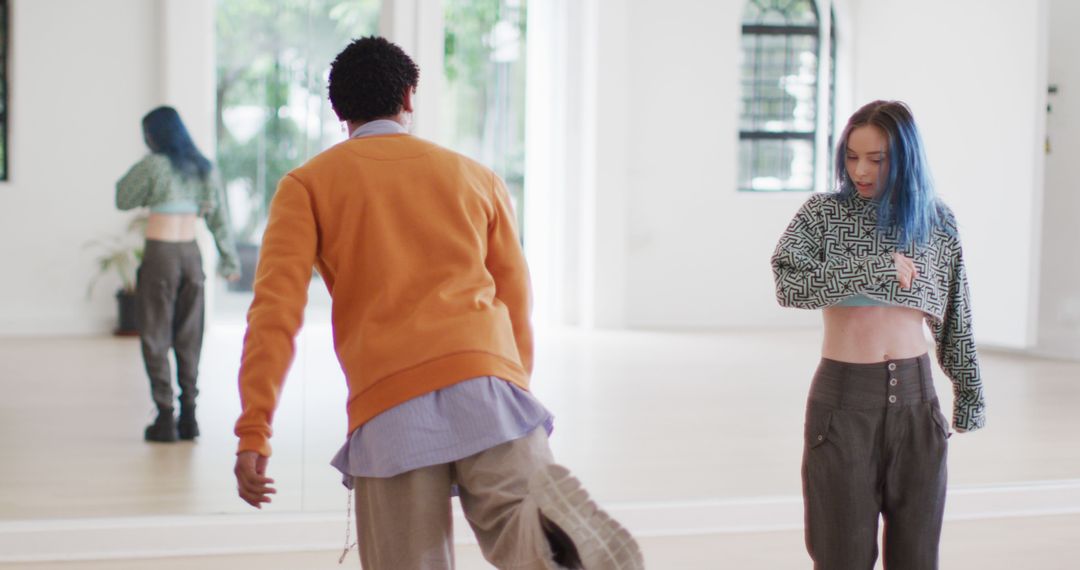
875 444
170 312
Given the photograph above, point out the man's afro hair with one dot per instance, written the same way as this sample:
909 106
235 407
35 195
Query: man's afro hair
368 79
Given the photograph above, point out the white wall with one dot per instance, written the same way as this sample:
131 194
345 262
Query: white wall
638 215
82 75
973 72
691 252
1059 310
78 89
697 250
656 236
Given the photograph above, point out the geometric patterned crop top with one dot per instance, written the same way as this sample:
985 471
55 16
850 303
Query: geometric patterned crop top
832 251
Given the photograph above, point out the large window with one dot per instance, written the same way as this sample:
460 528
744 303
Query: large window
779 120
273 61
484 106
272 111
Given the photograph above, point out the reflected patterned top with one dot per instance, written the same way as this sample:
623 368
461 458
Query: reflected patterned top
154 183
832 250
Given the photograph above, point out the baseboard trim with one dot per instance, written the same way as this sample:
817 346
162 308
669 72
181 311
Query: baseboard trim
225 534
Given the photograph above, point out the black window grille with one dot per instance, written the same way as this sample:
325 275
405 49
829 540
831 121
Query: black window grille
3 89
781 51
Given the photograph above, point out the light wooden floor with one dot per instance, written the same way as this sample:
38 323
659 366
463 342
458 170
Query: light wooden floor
639 417
1045 543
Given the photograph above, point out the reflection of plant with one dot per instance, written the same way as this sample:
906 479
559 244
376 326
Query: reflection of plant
120 255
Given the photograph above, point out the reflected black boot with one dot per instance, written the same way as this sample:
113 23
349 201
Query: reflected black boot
163 429
187 427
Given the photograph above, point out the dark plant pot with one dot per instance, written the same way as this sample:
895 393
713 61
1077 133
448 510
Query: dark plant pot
249 258
127 323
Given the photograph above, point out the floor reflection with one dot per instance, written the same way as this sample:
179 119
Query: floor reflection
640 416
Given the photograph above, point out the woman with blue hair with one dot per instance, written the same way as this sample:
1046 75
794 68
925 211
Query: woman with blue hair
179 185
880 256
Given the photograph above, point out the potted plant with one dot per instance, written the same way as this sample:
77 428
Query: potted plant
121 256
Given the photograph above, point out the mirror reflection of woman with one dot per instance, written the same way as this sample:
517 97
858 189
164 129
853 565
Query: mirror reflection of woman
880 256
179 185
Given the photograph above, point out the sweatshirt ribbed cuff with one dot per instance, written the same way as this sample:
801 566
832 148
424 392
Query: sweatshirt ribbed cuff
256 443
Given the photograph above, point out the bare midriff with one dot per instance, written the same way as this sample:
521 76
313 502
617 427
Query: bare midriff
873 334
171 227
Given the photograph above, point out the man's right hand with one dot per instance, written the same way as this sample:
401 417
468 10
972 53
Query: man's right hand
251 481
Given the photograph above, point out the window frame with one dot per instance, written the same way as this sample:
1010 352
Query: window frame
824 34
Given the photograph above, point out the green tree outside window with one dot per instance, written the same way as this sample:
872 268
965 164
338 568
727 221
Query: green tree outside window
484 105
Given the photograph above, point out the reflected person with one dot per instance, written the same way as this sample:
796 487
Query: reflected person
179 185
880 256
430 295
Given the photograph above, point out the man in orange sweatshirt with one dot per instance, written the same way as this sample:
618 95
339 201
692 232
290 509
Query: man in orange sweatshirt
431 299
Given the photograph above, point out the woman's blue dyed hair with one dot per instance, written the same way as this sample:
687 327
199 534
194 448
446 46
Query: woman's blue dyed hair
906 201
166 134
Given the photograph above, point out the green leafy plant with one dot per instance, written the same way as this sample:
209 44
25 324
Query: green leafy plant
119 255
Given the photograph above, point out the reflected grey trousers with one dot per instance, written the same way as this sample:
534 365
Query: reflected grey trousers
875 444
170 309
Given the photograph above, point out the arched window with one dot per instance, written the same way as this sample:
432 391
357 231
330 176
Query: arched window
782 52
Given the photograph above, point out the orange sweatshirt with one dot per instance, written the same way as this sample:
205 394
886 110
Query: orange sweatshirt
418 249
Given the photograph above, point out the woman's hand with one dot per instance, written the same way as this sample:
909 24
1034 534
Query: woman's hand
251 481
232 277
906 272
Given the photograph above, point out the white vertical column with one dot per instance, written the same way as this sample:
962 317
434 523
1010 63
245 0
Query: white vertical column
576 176
1059 283
545 164
1040 80
187 82
417 26
845 45
187 65
607 114
824 93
